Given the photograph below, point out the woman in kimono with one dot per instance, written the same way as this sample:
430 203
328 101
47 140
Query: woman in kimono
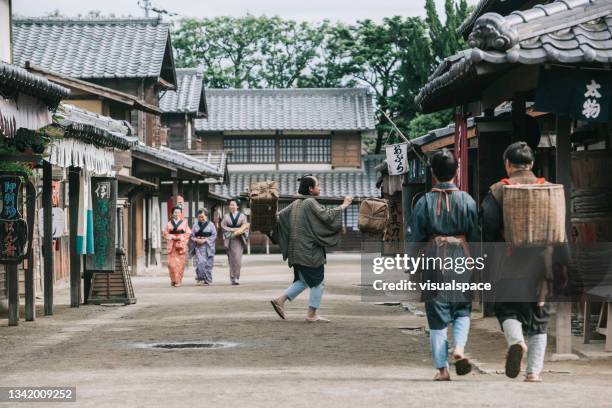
235 235
177 233
202 247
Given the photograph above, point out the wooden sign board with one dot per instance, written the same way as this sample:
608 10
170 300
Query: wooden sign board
13 228
104 202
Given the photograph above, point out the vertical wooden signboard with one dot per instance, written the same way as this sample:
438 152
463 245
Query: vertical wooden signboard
104 201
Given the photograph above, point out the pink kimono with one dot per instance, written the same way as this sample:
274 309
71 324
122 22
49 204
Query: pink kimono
177 235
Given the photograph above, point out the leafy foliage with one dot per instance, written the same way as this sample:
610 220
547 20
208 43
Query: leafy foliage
393 58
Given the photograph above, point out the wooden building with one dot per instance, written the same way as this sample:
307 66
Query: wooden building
556 56
282 134
25 101
182 107
121 68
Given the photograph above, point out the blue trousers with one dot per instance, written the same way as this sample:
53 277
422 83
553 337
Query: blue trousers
439 340
316 292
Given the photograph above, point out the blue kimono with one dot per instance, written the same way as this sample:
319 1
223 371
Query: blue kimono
203 253
447 219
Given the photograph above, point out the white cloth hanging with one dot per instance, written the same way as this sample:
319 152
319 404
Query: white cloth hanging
72 152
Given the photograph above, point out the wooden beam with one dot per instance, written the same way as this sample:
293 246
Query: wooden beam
12 277
73 214
608 346
518 118
192 206
175 192
30 294
47 204
197 195
563 159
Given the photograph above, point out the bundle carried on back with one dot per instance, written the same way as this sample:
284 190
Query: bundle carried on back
263 199
534 214
373 215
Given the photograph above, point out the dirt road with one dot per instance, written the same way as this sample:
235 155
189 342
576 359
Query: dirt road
361 359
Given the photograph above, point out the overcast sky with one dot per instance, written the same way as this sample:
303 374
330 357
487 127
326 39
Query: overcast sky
311 10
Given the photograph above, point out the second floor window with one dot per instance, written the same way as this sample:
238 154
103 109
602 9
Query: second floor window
305 150
250 149
291 149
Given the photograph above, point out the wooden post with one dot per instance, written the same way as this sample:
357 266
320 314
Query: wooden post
147 221
192 207
47 238
12 277
564 308
196 187
75 258
175 190
30 294
518 118
608 346
133 243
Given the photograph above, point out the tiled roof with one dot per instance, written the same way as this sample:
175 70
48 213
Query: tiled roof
189 95
178 159
502 7
334 183
119 48
215 158
97 129
18 79
288 109
564 31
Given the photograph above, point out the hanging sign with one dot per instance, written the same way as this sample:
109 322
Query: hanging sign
582 94
13 228
397 158
104 202
58 222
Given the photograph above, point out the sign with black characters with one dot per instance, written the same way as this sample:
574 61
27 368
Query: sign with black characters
104 202
397 158
13 228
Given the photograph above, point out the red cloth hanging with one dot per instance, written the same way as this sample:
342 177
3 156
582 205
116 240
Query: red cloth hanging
461 150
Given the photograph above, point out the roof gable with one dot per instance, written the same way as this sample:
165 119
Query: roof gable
577 32
189 96
99 48
297 109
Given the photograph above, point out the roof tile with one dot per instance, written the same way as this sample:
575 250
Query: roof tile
288 109
189 95
121 48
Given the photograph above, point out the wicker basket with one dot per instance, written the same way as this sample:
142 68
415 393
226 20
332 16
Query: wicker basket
263 197
373 215
534 214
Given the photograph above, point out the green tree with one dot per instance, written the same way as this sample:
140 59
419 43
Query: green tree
287 50
226 47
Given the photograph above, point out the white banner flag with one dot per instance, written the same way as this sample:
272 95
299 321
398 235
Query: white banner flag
397 158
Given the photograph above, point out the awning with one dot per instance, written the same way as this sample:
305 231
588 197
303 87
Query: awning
124 178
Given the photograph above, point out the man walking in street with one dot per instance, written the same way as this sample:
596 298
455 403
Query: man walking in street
521 274
447 219
303 231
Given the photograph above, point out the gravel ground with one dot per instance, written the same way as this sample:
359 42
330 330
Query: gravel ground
369 355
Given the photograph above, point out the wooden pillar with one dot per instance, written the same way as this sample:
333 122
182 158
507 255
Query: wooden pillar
147 221
564 308
196 187
518 118
12 277
30 293
192 206
75 258
608 346
47 205
133 235
175 189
